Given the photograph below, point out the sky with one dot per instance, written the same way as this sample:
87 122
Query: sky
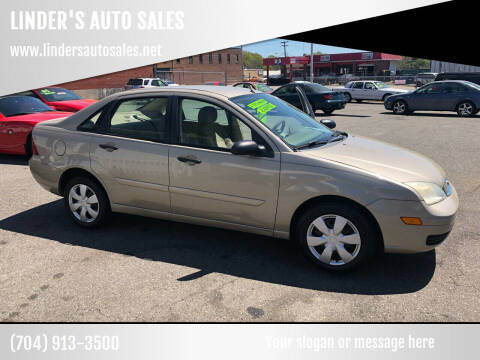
294 48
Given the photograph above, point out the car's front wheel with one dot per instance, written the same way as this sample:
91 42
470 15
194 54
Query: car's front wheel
336 237
465 109
400 107
86 202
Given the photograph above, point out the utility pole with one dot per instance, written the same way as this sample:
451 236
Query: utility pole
284 44
311 62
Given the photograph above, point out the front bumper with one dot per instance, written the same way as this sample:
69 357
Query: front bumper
438 221
388 104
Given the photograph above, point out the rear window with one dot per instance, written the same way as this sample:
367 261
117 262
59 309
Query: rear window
135 82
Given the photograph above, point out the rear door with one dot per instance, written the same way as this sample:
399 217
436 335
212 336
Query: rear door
206 180
129 151
357 90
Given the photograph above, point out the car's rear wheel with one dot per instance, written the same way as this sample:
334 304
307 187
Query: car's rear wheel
466 108
336 237
86 202
400 107
347 97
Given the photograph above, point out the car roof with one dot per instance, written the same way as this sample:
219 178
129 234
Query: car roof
226 91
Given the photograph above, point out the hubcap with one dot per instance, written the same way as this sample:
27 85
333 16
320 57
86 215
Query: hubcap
83 203
399 107
333 239
465 109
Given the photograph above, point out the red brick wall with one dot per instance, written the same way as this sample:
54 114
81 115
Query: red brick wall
192 75
112 80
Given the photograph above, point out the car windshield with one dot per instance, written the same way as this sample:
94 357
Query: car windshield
58 94
291 125
263 87
21 105
381 84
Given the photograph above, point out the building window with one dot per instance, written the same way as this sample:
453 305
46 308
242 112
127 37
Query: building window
200 59
210 58
178 61
219 58
228 58
190 59
236 58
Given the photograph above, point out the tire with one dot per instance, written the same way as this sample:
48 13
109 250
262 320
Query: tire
385 97
347 97
79 193
29 147
466 109
400 107
332 252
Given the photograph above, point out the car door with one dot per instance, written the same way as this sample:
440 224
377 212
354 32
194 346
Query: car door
370 91
357 90
206 180
129 151
428 97
452 94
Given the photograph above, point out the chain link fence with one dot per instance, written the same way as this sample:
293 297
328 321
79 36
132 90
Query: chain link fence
185 77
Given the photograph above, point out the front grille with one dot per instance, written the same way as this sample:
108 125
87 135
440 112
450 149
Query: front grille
436 239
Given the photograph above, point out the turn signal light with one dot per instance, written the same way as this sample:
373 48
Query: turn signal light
411 220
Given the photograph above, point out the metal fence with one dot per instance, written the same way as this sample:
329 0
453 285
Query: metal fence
185 77
342 79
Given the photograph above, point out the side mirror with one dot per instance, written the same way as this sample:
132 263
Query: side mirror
329 123
247 147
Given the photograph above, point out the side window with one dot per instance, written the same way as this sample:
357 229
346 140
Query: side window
141 118
207 125
433 88
453 88
369 86
286 90
357 85
91 122
145 82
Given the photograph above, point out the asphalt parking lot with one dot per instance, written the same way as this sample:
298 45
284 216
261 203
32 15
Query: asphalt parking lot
139 269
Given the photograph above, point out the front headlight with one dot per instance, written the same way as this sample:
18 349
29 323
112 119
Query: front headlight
429 192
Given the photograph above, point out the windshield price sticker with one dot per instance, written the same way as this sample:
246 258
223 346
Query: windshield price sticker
263 107
47 92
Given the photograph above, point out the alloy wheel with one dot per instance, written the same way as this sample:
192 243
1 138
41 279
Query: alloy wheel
83 203
333 239
399 107
465 109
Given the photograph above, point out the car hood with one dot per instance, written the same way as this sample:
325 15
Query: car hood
71 105
39 117
382 159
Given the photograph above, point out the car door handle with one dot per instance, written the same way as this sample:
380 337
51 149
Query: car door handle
108 147
188 159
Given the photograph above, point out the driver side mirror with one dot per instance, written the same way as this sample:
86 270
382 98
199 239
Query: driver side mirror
247 147
329 123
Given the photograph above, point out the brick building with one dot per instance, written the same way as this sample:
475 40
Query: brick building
223 65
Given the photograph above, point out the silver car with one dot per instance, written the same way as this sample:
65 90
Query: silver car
248 161
367 90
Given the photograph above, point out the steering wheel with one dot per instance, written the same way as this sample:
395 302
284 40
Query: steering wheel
278 129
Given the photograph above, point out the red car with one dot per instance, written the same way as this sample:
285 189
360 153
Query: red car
59 98
255 86
18 116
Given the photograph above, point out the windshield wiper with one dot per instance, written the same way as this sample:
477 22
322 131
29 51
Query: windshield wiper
339 137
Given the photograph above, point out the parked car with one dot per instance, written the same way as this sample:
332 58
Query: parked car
424 78
58 98
255 86
226 157
460 96
18 116
473 77
367 90
141 83
214 83
319 96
